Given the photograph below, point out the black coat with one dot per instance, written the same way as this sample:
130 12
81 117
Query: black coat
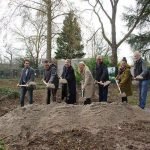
102 72
69 75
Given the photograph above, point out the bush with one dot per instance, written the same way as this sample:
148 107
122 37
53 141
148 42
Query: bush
77 74
91 63
9 92
2 146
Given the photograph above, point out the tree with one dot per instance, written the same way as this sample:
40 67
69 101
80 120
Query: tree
69 40
140 40
49 8
99 45
34 40
98 9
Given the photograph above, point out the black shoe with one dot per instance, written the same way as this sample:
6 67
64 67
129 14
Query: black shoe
87 101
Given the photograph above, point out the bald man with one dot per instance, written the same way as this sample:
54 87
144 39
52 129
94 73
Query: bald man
102 76
141 74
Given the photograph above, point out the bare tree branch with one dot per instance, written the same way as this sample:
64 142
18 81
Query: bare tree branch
93 35
104 11
34 8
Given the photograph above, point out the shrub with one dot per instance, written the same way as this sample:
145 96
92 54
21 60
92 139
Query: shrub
2 146
77 74
9 92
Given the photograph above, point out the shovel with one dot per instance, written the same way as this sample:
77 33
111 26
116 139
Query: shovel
23 85
82 98
49 85
121 94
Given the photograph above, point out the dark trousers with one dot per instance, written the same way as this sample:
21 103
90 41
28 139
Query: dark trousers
103 92
124 99
49 93
23 91
64 92
69 93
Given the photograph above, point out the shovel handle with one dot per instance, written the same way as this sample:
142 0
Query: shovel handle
118 86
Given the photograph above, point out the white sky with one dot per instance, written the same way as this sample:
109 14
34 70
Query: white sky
91 20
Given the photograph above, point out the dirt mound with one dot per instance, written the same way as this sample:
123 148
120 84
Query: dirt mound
56 126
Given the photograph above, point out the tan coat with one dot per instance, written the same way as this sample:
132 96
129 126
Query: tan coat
88 83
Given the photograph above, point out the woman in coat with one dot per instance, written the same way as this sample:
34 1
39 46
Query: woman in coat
69 89
124 78
88 82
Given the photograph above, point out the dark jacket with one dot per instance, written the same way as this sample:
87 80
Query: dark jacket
27 78
140 68
50 75
102 72
68 74
69 90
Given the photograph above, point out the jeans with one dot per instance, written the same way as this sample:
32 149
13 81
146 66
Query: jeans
23 91
103 92
143 89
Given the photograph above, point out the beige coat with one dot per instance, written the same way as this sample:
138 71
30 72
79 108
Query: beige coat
88 83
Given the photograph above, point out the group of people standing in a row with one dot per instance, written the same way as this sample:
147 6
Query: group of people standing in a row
124 79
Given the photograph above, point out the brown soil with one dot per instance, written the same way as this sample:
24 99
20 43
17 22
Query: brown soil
59 126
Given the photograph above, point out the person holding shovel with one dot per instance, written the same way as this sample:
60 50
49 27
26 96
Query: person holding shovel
101 78
27 75
50 77
69 88
87 85
141 74
124 79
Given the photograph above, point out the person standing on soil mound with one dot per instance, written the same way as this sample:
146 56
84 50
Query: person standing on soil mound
50 76
27 75
87 85
69 89
124 78
141 74
101 77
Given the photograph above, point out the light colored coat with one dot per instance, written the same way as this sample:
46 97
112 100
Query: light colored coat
88 83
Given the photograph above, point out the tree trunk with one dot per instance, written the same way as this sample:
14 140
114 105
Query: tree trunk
49 31
113 33
114 56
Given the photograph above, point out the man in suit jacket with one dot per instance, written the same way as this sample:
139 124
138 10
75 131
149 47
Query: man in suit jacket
27 75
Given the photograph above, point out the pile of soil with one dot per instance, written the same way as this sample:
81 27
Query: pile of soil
63 127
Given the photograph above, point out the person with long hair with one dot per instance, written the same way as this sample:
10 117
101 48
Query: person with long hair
124 79
88 82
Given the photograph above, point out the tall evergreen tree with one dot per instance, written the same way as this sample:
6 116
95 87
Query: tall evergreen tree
141 40
69 41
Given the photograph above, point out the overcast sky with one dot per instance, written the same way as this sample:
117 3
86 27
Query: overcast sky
91 20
